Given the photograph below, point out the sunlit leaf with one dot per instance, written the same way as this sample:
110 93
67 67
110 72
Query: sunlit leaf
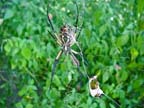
8 46
9 14
57 81
105 76
124 75
134 53
26 53
29 106
122 40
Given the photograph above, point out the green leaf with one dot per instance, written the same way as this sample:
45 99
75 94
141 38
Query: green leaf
8 46
140 44
55 93
102 29
134 53
140 6
111 105
9 13
20 29
121 94
23 63
124 75
57 81
13 64
19 105
102 104
105 76
137 83
22 92
89 101
122 40
32 87
26 53
29 106
31 82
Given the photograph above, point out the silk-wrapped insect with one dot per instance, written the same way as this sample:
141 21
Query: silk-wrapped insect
94 88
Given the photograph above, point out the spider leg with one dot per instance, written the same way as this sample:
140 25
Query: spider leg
54 66
77 17
83 60
74 59
52 35
76 62
49 22
75 52
77 20
79 49
81 55
80 31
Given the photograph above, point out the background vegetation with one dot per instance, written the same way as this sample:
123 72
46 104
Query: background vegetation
112 40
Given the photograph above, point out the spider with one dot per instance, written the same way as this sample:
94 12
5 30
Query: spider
66 38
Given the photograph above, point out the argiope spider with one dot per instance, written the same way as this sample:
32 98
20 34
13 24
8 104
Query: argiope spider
66 38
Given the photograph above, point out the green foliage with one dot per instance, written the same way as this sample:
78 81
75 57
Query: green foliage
112 40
